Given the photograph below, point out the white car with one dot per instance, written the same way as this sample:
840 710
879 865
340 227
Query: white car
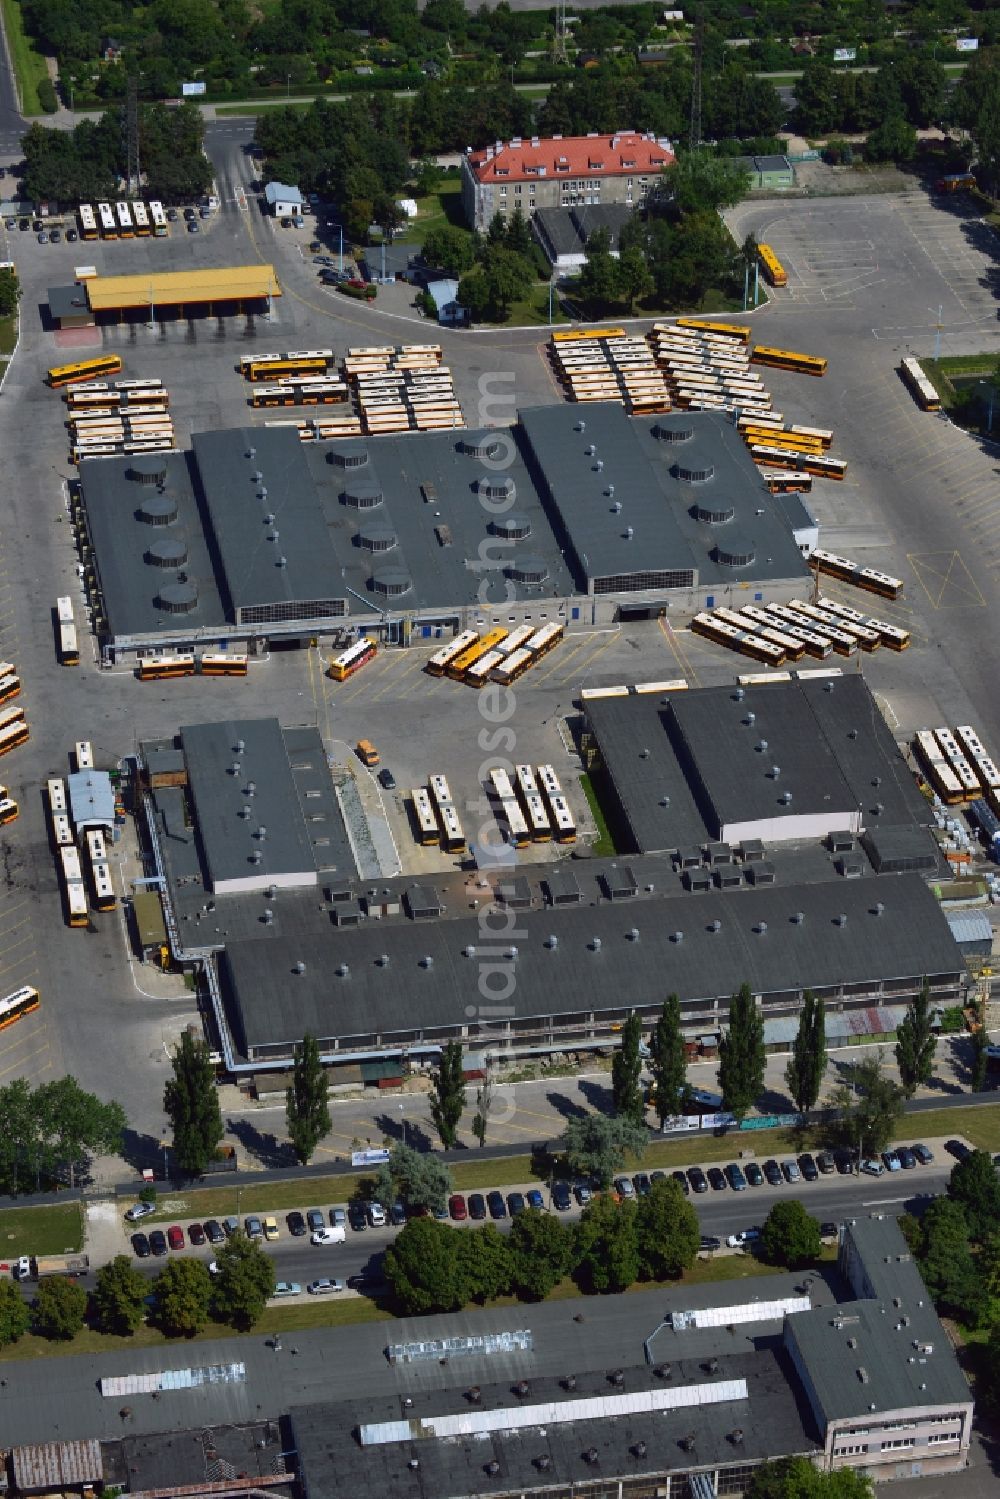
139 1210
328 1236
872 1167
376 1215
745 1236
287 1288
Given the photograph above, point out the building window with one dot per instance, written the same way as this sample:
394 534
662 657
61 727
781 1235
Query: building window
937 1437
894 1443
851 1449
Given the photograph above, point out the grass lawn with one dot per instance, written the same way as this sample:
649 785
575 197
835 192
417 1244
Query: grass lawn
57 1229
604 846
29 65
277 1197
8 334
443 206
533 310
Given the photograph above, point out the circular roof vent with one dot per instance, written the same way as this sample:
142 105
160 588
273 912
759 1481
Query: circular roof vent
738 551
512 527
348 455
158 510
167 551
496 487
178 598
363 494
377 538
483 444
714 513
148 468
527 570
391 582
673 431
696 469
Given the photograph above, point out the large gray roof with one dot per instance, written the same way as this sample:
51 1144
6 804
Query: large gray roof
595 459
898 1372
893 930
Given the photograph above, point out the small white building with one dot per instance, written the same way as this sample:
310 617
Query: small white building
444 294
283 201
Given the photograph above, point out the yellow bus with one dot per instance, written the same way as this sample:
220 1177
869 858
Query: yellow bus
56 788
787 359
563 826
109 224
736 331
480 672
69 649
10 687
224 664
141 218
288 365
580 335
921 388
820 464
544 640
62 829
774 271
158 668
88 221
83 753
452 835
459 665
428 832
14 1006
353 659
124 219
8 810
793 441
537 818
512 823
438 664
77 912
159 219
853 572
84 369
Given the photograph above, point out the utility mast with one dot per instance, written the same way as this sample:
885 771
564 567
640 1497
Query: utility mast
559 40
131 133
694 133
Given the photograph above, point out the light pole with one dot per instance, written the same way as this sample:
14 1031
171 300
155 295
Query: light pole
989 413
163 1147
937 335
402 1120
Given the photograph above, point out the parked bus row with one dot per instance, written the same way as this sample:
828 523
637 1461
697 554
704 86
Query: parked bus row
847 571
296 364
300 393
13 724
942 775
922 390
450 833
820 465
975 751
122 220
220 664
531 808
498 656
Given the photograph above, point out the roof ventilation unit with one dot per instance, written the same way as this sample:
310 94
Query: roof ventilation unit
552 942
383 960
677 936
715 926
427 961
633 934
842 919
798 917
342 971
761 928
785 798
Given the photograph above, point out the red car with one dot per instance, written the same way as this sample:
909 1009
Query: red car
457 1208
196 1233
175 1237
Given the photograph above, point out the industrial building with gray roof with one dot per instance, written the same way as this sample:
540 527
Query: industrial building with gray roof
586 518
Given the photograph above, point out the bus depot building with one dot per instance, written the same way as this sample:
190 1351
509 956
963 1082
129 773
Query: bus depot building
262 889
585 520
164 295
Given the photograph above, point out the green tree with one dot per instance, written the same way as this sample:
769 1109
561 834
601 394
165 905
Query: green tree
990 1380
73 1124
975 1185
598 280
668 1231
916 1043
488 1264
867 1109
946 1262
484 1102
807 1064
741 1054
988 1273
635 279
426 176
191 1103
447 1094
10 292
607 1245
977 1072
701 183
357 215
474 293
119 1296
507 277
449 249
798 1478
596 1146
790 1235
414 1177
668 1062
542 1251
15 1313
518 237
388 216
184 1293
60 1306
893 140
626 1073
307 1110
244 1281
816 98
426 1268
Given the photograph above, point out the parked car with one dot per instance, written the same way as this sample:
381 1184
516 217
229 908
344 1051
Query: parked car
657 1176
583 1194
845 1162
158 1241
515 1204
23 224
140 1246
709 1242
43 238
790 1171
826 1163
338 1216
772 1172
194 227
906 1157
10 223
457 1208
205 212
295 1224
828 1230
189 214
386 779
809 1168
357 1216
753 1174
328 1236
872 1167
681 1180
958 1149
891 1161
642 1184
71 236
55 235
376 1215
231 1226
172 215
315 1220
139 1210
477 1207
397 1214
324 1287
923 1154
717 1178
624 1187
496 1205
698 1179
253 1226
735 1177
175 1236
196 1233
561 1197
744 1237
270 1228
286 1288
213 1231
535 1200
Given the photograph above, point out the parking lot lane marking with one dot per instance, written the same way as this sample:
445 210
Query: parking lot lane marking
941 571
398 677
585 666
19 1065
671 636
560 659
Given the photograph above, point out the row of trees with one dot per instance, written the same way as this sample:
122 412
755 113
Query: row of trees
48 1132
183 1298
433 1267
88 163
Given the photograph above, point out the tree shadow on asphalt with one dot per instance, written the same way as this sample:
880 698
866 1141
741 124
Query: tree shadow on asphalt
409 1132
264 1146
142 1152
598 1095
566 1108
